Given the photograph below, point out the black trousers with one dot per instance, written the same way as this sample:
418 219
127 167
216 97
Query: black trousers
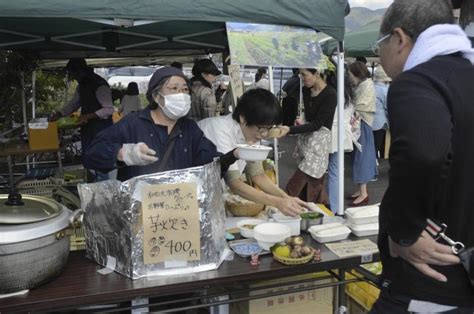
391 303
379 142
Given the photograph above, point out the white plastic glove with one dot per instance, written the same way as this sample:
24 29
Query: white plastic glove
138 154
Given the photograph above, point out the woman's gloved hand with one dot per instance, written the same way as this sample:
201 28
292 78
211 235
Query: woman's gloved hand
138 154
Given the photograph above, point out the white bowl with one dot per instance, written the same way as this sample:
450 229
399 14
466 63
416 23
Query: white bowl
253 152
246 232
266 245
269 233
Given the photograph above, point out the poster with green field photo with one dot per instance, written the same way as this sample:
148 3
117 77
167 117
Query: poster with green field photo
273 45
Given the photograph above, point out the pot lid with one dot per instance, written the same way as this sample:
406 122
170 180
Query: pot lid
31 209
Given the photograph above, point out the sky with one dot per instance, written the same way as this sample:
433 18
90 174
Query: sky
371 4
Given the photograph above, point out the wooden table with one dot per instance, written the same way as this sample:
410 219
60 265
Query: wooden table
80 284
20 148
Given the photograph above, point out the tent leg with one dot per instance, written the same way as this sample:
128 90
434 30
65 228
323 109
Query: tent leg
340 126
33 102
275 140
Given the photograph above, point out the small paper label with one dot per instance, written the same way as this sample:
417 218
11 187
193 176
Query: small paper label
366 258
175 264
353 248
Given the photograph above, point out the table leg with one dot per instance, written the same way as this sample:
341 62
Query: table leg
341 292
10 171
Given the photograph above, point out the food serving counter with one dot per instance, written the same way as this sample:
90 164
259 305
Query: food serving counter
81 285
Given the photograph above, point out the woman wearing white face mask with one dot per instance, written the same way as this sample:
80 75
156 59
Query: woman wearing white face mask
157 138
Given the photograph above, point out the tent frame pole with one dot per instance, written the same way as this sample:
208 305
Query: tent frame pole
340 127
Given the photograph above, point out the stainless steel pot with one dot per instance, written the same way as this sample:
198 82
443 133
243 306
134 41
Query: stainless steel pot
34 241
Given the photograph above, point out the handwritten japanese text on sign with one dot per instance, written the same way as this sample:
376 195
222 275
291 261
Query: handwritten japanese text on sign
171 223
353 248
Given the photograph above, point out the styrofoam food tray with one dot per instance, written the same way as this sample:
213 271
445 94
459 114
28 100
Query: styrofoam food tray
292 222
329 232
364 230
363 214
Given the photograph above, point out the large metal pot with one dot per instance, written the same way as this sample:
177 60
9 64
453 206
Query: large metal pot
34 241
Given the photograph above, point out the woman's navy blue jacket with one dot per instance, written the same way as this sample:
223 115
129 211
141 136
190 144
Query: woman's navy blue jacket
191 147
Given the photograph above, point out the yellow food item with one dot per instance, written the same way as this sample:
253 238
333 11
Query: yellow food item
283 251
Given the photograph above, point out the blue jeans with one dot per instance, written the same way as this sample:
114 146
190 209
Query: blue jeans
333 187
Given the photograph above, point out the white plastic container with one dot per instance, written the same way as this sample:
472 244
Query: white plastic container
292 222
248 232
269 233
363 215
329 232
253 152
364 230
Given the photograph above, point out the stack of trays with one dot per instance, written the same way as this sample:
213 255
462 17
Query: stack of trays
363 221
329 232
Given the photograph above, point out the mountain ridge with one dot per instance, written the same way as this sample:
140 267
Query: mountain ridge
360 16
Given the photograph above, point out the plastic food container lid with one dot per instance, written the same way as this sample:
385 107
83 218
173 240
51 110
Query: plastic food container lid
279 217
363 212
329 230
365 227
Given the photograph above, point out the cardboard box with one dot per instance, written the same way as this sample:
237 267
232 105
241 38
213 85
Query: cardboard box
310 301
43 138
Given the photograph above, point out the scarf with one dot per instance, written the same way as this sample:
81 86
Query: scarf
439 40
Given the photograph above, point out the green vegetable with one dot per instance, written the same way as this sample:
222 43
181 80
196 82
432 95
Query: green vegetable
311 215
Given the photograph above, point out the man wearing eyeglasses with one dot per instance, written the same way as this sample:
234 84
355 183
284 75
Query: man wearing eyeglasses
431 114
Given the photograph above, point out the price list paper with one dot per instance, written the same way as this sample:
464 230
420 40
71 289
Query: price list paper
353 248
170 217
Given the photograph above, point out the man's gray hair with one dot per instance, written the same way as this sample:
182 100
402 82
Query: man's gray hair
415 16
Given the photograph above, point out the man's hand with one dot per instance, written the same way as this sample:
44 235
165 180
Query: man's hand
424 252
290 206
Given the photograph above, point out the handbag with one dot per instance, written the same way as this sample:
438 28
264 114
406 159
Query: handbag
466 255
467 259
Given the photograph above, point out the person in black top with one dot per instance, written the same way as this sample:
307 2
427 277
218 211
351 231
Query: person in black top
93 97
314 140
431 116
290 101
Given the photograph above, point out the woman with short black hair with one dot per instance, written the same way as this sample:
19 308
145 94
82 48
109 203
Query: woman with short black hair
256 113
130 101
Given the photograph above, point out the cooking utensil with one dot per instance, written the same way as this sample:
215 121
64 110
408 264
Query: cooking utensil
34 245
